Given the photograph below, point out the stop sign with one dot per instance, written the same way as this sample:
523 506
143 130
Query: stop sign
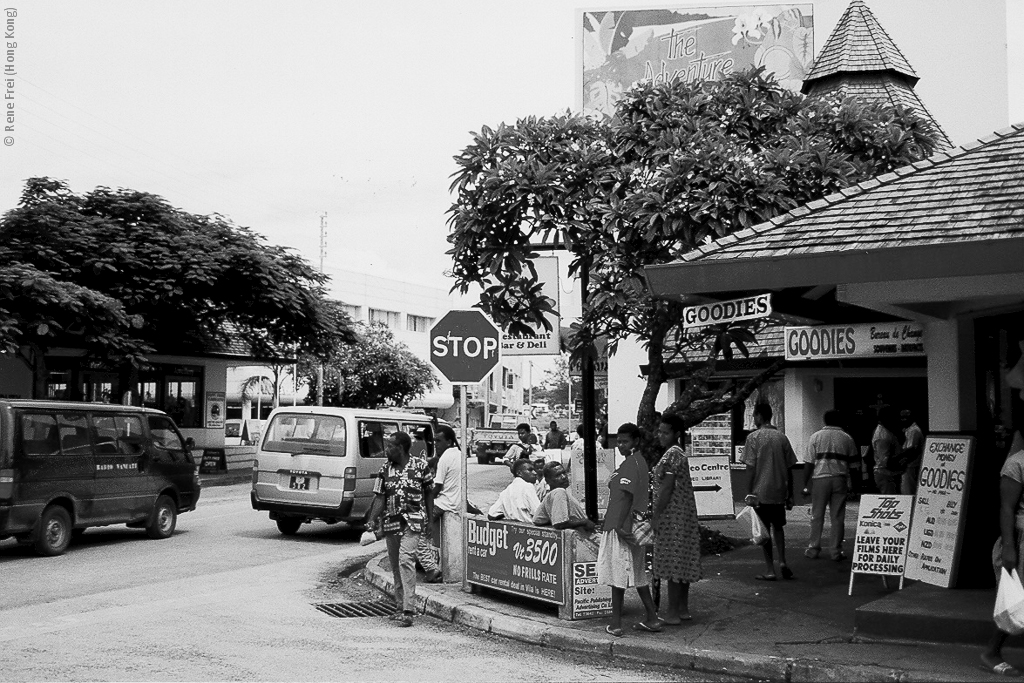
465 346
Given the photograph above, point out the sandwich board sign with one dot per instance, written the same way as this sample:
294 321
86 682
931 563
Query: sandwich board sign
880 542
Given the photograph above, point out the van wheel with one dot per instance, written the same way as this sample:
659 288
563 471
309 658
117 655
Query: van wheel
289 526
53 533
165 518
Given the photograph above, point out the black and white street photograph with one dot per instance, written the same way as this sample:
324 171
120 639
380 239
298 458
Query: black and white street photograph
528 341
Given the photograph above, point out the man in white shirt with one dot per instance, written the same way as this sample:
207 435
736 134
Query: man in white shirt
447 522
576 449
519 500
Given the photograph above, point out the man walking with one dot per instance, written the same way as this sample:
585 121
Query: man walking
769 458
447 522
826 466
402 502
913 449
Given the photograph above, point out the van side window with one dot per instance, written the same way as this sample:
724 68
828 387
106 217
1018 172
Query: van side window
74 434
39 435
372 436
166 438
118 434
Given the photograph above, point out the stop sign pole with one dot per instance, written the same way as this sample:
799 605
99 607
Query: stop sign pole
465 347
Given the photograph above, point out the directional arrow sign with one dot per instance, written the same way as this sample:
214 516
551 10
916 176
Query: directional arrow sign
712 486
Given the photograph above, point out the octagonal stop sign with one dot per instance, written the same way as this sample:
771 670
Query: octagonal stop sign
465 346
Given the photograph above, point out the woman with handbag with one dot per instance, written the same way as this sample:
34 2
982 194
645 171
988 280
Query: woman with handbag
620 560
676 534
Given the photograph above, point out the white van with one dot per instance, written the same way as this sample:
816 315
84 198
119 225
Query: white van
318 462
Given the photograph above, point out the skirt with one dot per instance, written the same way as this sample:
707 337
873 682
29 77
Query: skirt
620 564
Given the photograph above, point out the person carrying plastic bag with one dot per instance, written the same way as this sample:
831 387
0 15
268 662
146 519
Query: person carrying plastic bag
1008 561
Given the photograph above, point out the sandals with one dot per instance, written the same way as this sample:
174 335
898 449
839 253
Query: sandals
787 573
766 577
1001 669
617 632
641 626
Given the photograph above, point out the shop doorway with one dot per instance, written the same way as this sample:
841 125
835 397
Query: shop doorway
859 398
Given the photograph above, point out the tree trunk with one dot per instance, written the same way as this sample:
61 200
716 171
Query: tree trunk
655 380
35 359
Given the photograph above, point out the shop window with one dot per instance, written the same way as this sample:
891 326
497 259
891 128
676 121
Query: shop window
176 390
58 385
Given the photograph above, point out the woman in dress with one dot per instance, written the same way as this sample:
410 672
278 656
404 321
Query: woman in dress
676 536
620 560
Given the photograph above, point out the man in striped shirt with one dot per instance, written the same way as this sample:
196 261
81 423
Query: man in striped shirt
826 467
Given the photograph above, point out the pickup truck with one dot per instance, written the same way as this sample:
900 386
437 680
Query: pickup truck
490 445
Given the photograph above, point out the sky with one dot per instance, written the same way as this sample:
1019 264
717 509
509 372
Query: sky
283 115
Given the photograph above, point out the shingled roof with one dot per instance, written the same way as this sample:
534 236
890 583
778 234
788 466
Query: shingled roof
860 60
969 193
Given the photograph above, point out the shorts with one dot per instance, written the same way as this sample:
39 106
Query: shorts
772 514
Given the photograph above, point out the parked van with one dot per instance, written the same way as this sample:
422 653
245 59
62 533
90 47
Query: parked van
317 462
67 466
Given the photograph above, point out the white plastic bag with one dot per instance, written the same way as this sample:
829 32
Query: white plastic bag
1009 611
758 531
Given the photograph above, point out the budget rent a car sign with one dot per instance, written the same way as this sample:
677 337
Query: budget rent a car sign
465 346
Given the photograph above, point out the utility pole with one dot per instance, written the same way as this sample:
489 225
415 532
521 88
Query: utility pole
323 254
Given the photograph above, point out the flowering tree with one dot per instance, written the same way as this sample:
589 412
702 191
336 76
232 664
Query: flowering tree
679 165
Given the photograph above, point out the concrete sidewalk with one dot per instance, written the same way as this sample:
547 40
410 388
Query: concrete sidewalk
800 630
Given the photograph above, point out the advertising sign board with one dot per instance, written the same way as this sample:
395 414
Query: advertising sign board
541 342
623 48
215 410
875 340
589 598
605 467
750 308
880 542
515 558
712 486
937 530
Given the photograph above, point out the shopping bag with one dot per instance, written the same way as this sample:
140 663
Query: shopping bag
1009 611
758 531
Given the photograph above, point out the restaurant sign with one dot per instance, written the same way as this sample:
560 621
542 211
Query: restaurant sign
516 558
870 340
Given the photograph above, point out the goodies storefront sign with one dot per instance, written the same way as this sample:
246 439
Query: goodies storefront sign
825 342
516 558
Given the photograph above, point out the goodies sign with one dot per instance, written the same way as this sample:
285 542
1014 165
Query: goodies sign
937 531
854 341
520 559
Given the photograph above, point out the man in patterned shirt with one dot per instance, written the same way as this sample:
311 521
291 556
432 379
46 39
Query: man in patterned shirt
402 502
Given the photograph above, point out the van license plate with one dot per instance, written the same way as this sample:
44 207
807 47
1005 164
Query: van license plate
299 483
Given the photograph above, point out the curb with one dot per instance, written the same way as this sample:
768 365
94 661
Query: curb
465 612
228 479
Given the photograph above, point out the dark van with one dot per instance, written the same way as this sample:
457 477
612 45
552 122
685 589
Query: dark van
65 467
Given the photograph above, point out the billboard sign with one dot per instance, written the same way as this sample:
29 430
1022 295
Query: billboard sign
540 342
626 47
516 558
724 312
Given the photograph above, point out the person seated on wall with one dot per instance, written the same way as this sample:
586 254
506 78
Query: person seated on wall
559 508
523 449
519 500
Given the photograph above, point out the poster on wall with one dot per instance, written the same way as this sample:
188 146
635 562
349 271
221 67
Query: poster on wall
880 540
540 342
215 410
622 48
515 558
936 533
589 598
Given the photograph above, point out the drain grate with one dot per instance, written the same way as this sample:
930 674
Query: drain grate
350 610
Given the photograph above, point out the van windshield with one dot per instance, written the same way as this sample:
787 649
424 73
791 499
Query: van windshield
296 433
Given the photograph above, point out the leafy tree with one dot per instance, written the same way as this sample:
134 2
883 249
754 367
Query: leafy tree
374 371
679 165
554 386
155 279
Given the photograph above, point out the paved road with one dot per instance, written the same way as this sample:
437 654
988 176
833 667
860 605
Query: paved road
228 598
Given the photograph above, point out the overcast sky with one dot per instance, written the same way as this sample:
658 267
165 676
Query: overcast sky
273 113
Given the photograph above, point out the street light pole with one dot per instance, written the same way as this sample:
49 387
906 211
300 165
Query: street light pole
589 411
